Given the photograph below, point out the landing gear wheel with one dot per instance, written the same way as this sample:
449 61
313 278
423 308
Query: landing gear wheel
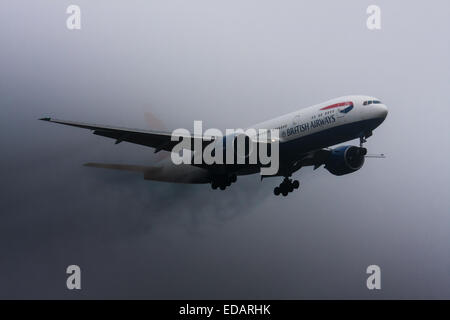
286 186
223 181
276 191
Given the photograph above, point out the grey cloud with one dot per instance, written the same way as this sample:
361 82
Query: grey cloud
228 63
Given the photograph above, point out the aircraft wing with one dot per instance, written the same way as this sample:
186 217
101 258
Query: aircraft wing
314 158
159 140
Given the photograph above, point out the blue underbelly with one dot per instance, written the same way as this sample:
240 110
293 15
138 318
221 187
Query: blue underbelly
326 138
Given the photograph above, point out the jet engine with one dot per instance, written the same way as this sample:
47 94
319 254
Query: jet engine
345 159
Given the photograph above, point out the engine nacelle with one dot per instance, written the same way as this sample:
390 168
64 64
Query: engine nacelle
345 160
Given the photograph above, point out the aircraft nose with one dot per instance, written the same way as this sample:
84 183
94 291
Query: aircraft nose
382 111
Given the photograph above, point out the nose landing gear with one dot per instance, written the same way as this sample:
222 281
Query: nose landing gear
286 186
362 140
363 137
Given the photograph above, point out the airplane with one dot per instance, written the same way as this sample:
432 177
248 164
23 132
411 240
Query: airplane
306 138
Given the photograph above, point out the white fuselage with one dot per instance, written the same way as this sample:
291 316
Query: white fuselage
328 123
324 116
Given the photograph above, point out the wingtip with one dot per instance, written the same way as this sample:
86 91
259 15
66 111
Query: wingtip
45 119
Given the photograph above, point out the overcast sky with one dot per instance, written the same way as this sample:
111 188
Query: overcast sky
230 64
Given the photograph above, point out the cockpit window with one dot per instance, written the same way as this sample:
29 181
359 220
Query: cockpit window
365 103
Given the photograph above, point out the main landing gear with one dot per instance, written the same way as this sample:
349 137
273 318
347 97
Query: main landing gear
286 186
223 181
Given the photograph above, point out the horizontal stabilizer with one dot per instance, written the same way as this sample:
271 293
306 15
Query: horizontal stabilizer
167 172
125 167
